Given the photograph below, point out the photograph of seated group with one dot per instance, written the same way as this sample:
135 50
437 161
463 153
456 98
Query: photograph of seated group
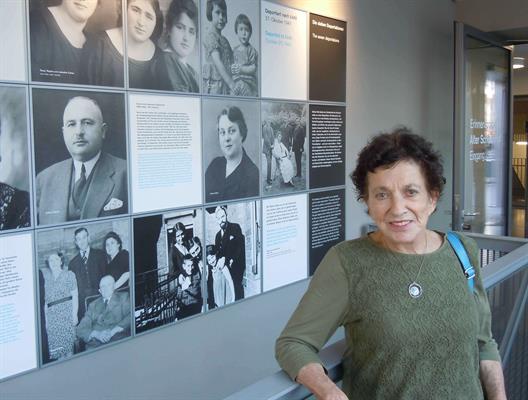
160 160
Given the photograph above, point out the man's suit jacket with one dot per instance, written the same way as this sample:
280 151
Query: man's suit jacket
88 285
232 246
99 317
107 194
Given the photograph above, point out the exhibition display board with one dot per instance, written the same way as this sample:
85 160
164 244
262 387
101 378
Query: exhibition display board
160 159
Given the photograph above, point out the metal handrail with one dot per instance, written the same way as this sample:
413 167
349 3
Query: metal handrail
279 386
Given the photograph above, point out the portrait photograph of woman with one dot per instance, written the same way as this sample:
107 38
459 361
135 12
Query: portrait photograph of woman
15 204
231 136
230 47
61 32
105 52
178 69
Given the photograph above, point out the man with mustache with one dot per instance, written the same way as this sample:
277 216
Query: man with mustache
230 243
92 183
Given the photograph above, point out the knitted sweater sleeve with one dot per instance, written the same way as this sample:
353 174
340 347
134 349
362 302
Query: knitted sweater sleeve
320 312
488 349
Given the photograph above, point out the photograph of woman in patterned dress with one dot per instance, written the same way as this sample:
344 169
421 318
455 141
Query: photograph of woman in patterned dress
61 304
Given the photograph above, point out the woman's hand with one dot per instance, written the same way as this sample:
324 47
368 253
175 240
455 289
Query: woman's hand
235 69
314 378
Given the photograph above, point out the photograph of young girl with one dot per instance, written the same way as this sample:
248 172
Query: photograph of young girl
230 47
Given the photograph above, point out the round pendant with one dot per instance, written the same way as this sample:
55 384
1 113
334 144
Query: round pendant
415 290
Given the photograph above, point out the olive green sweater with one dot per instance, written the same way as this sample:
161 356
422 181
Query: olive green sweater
397 347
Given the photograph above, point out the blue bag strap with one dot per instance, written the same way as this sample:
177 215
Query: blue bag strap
462 255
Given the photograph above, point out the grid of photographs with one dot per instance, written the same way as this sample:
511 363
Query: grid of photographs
159 159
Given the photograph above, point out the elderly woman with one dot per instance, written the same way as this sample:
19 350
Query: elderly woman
104 54
61 299
172 69
118 260
234 175
413 328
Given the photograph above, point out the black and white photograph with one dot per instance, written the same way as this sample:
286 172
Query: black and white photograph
230 47
80 155
15 203
13 47
177 63
232 237
67 41
168 260
231 136
84 273
284 147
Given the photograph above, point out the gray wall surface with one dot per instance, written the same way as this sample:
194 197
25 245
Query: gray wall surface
400 63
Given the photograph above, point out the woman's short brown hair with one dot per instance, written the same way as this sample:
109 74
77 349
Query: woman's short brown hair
386 149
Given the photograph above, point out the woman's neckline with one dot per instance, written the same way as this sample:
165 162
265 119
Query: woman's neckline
379 246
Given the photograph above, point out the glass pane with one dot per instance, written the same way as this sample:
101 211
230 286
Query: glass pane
486 137
502 298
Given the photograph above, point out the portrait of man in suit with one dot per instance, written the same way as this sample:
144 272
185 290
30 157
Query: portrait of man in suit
88 266
107 318
230 243
91 183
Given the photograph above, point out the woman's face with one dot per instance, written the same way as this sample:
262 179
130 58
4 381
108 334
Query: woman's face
79 10
179 237
195 250
55 262
229 137
141 20
211 259
218 18
182 36
112 247
400 204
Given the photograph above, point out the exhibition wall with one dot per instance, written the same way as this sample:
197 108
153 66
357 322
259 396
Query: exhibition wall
399 71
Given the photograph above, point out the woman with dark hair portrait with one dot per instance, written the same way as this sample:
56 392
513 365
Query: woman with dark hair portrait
218 55
178 249
61 298
104 54
172 69
232 175
57 39
14 203
416 325
118 261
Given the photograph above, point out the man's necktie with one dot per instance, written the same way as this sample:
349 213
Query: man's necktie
79 186
84 258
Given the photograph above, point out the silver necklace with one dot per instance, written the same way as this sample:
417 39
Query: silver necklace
414 289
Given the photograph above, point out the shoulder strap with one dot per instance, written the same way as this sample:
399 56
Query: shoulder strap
462 255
